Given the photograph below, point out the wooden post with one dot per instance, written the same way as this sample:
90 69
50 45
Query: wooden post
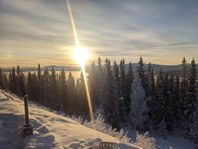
27 128
26 110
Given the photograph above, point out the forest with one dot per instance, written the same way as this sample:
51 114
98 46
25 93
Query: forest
123 95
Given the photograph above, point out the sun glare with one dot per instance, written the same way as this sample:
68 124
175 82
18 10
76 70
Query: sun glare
81 55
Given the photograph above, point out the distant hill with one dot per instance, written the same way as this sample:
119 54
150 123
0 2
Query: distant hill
57 68
157 67
164 68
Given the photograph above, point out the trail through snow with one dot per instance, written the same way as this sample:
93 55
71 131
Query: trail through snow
50 130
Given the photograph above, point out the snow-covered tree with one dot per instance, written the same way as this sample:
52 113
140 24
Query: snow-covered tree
194 126
190 99
139 109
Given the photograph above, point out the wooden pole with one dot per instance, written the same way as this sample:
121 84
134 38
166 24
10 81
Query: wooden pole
26 110
27 129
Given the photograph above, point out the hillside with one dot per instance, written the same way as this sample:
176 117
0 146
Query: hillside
50 130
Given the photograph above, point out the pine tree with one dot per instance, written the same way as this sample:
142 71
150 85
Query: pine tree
5 82
34 84
53 91
151 81
18 81
46 87
177 105
71 92
183 92
80 99
93 80
63 91
1 79
142 76
12 81
129 81
111 98
100 81
158 110
29 86
22 85
190 99
39 84
194 126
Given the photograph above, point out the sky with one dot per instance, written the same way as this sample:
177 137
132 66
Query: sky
39 31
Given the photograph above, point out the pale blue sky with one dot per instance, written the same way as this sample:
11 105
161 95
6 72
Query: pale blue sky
39 31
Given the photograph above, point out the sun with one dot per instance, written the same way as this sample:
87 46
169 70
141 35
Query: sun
81 55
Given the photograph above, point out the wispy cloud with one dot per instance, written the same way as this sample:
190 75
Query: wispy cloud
40 31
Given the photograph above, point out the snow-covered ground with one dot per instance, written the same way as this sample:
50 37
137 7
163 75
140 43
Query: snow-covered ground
176 141
50 130
58 132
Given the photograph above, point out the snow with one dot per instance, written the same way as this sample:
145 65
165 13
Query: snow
50 130
173 141
138 103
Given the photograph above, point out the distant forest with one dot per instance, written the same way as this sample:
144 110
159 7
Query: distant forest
122 94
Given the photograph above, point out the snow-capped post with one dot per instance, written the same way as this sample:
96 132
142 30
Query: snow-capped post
27 128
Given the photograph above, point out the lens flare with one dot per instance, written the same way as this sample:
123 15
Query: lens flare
81 56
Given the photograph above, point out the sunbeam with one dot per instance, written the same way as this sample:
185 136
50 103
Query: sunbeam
81 56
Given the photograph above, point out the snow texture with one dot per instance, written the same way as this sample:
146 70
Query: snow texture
50 130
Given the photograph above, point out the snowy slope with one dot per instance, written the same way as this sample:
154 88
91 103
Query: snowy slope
50 130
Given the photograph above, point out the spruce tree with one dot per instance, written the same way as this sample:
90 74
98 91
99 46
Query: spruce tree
29 88
93 80
100 81
111 98
1 79
22 85
190 100
46 87
12 81
71 92
5 82
18 81
194 126
53 88
63 90
129 81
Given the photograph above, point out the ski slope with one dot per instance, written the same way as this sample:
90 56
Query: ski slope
50 130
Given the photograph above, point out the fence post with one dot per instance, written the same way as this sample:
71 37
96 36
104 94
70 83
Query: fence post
27 129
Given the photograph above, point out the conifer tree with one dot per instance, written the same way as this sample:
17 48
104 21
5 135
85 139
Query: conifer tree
53 88
177 108
129 81
93 80
1 79
111 98
71 91
190 99
46 86
5 82
100 81
194 126
29 86
22 85
158 109
12 81
63 91
39 84
18 81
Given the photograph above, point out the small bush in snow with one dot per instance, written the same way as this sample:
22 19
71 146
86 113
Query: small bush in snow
145 141
99 124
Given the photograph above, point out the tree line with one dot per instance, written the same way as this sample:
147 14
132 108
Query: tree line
123 94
